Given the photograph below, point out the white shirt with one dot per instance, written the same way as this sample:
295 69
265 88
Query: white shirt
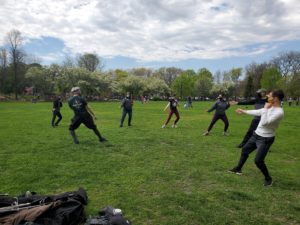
269 121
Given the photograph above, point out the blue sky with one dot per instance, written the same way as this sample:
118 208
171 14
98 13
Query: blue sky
191 34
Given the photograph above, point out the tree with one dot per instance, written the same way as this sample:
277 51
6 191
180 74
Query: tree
168 74
255 71
14 40
155 86
287 63
235 74
141 72
3 68
183 85
203 82
270 78
132 84
90 61
249 88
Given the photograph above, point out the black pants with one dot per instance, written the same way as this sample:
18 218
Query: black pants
56 113
216 118
129 112
262 144
251 129
84 118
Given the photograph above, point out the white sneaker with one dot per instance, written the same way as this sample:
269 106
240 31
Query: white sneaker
174 126
206 133
163 126
225 133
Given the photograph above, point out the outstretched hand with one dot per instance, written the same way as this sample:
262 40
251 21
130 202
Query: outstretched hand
239 111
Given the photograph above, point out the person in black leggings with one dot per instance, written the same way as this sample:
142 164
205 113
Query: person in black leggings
220 107
57 104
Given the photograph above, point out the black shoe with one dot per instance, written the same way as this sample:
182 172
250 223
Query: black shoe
129 125
76 142
236 171
268 182
240 145
121 125
102 140
53 125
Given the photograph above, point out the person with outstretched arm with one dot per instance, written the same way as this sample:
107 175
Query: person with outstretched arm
264 135
259 102
220 107
82 114
173 103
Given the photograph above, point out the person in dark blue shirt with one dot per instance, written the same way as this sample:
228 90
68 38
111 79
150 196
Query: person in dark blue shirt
82 114
220 107
127 104
57 104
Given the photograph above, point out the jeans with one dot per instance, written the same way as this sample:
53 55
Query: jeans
262 144
125 111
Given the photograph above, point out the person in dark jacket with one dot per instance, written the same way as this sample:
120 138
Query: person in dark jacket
259 102
126 104
220 107
57 104
82 114
173 103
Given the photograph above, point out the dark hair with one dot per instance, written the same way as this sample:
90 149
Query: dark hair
279 94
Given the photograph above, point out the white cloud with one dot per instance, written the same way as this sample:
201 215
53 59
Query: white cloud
156 29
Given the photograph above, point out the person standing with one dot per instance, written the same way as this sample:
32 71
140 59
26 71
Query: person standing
264 135
127 104
259 102
290 101
189 102
57 104
173 103
82 114
220 107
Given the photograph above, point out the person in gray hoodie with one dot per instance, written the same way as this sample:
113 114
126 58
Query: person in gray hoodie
220 107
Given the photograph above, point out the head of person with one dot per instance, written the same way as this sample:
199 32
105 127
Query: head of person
275 97
75 91
127 95
261 93
220 97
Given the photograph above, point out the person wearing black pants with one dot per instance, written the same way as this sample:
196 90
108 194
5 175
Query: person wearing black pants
173 103
220 107
57 104
83 114
259 102
127 104
264 135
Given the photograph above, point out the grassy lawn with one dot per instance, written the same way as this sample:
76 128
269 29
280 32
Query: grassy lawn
156 176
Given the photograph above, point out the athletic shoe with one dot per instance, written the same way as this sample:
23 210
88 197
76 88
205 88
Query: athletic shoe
236 171
174 126
240 145
206 133
102 139
225 133
268 182
76 142
163 126
121 125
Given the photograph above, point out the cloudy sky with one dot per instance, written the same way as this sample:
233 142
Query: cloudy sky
217 34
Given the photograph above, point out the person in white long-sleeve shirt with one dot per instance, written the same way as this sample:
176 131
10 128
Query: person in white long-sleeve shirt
264 136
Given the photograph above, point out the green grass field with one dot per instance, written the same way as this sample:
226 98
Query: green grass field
156 176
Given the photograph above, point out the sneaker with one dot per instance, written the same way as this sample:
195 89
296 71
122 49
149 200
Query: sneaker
240 145
225 133
163 126
206 133
174 126
121 125
236 171
268 182
102 139
76 142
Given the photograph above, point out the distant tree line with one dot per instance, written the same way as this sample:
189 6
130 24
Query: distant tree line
23 74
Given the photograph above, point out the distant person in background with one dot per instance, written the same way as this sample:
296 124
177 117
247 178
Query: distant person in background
173 103
264 135
220 107
82 114
259 102
126 104
290 101
57 104
189 103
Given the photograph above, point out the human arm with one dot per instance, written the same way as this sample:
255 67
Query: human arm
212 108
167 106
249 112
90 111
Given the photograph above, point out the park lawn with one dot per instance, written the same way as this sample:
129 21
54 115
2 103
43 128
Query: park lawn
156 176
